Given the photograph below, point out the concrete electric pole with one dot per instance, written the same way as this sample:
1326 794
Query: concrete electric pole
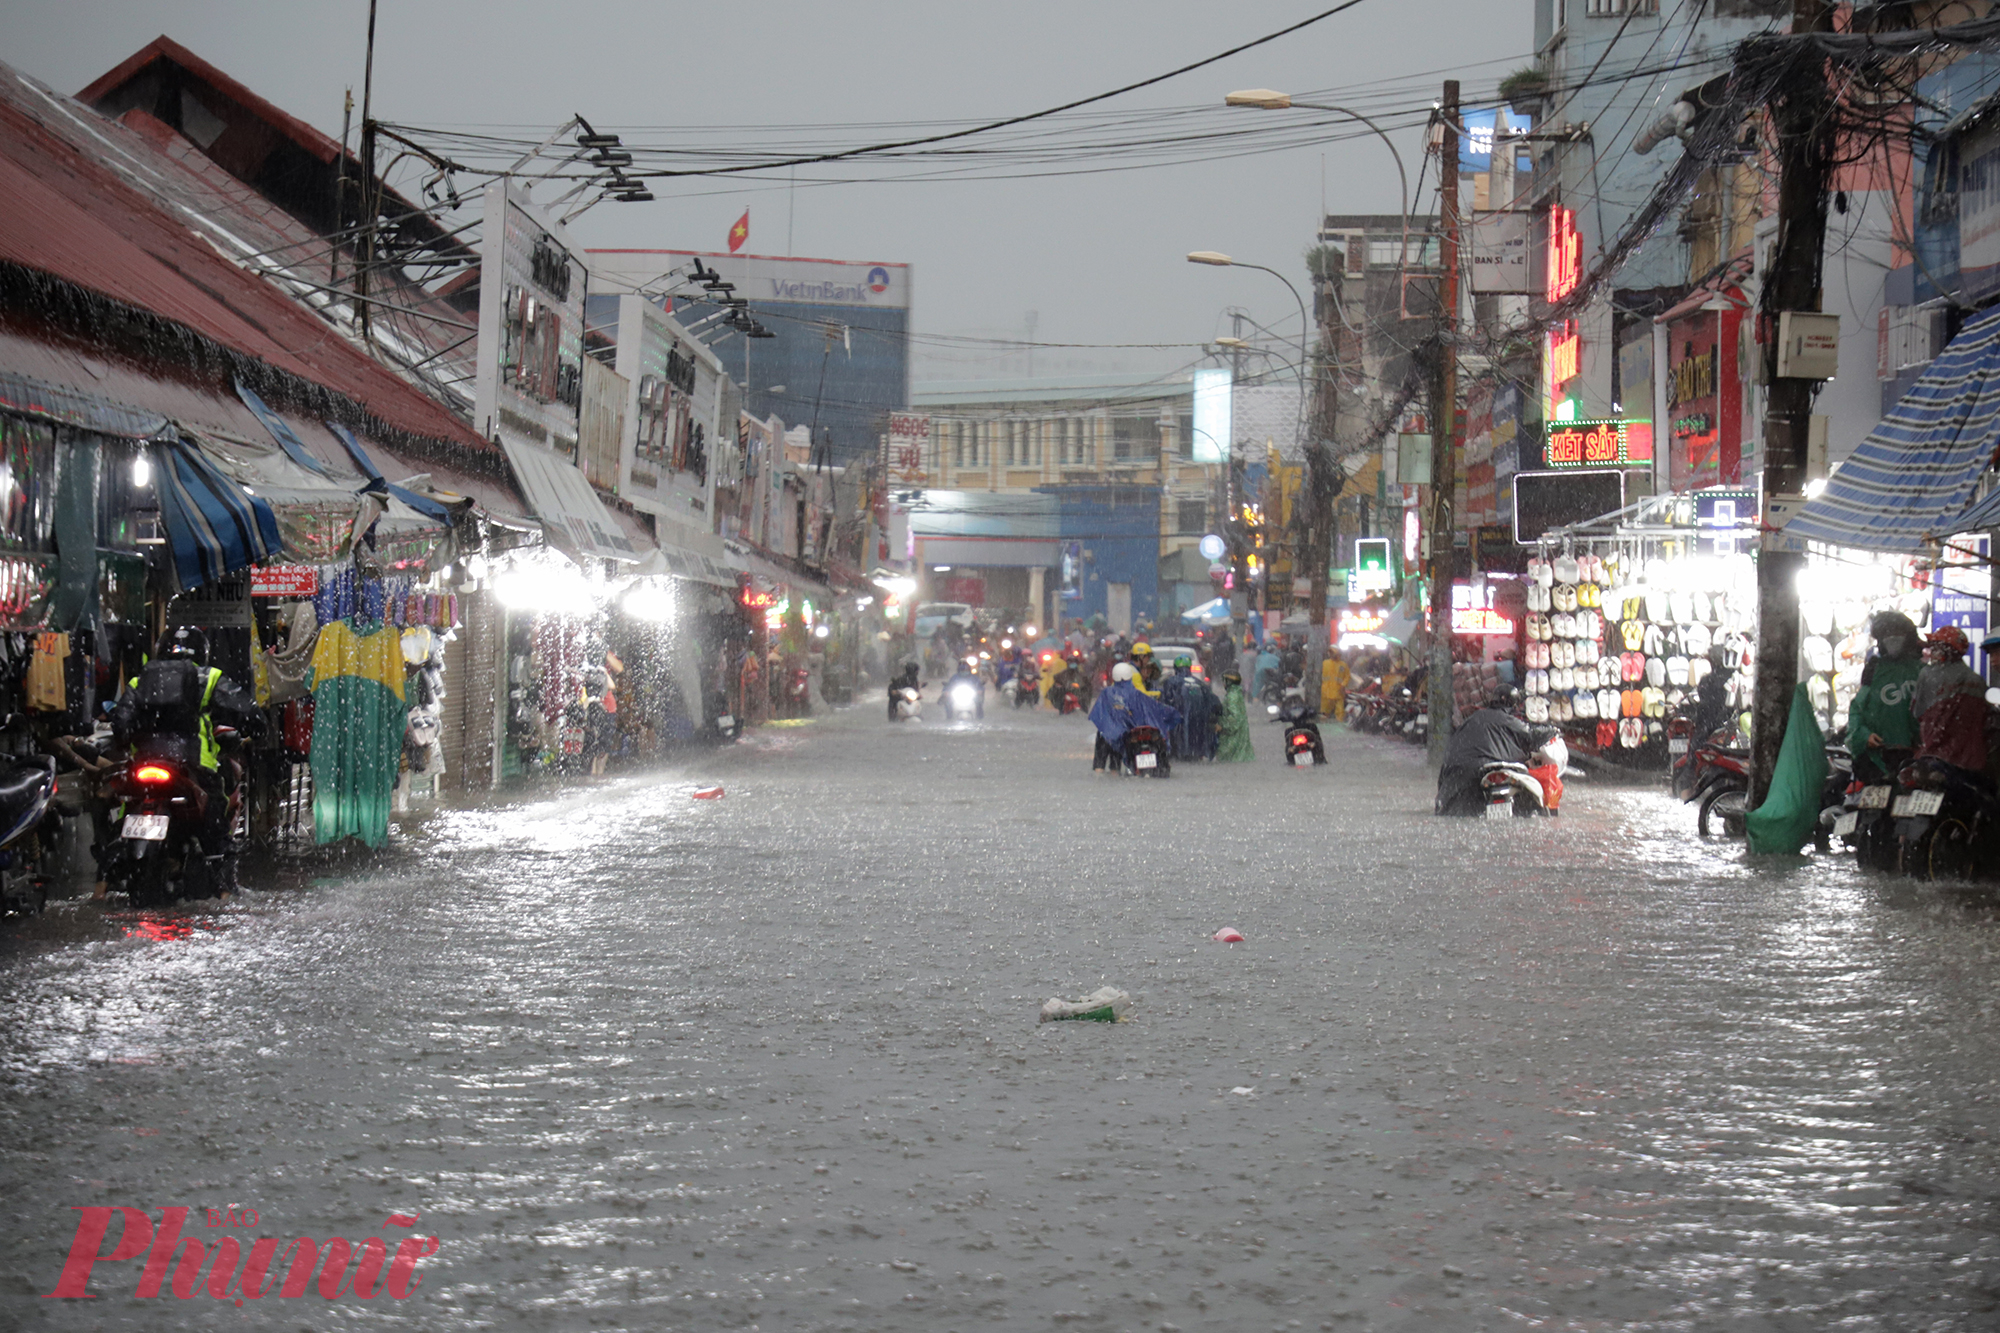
1802 120
1444 432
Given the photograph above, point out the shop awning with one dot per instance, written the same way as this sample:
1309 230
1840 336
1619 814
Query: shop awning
1909 481
213 525
570 512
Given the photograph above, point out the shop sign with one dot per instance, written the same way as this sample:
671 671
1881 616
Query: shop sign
1496 244
293 581
528 380
1371 568
1361 620
1694 377
1472 611
909 440
758 599
1600 444
1726 520
1960 594
1565 255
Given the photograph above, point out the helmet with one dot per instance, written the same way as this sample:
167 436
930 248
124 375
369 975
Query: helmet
1183 662
1123 671
1232 678
1891 622
1142 650
1506 698
1951 637
186 643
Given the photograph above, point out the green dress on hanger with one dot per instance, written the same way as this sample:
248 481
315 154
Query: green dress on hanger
359 716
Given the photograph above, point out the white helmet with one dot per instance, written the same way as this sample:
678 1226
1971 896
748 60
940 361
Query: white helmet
1123 671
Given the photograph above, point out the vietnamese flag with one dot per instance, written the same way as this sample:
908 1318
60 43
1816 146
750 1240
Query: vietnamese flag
739 233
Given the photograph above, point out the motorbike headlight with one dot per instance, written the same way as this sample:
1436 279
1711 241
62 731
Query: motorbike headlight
962 695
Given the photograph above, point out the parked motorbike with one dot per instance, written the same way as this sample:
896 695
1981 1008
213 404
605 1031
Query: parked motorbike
159 810
1947 820
30 827
727 726
1864 822
1302 739
1520 791
1719 784
1146 753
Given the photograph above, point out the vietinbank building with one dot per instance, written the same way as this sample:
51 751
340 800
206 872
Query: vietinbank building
840 332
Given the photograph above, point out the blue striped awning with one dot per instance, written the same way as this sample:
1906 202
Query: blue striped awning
214 526
1909 481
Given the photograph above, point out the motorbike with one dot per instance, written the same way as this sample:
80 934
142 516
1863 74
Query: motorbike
727 726
1066 699
1720 787
1517 791
1302 738
1146 752
798 690
1022 692
30 829
1863 821
159 809
964 696
1947 820
1407 717
908 702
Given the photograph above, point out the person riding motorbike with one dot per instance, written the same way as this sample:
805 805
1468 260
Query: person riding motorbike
1881 728
1950 704
1148 669
968 675
1491 735
186 699
908 678
1121 707
1070 677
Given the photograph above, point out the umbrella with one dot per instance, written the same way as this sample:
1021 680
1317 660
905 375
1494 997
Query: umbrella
1213 612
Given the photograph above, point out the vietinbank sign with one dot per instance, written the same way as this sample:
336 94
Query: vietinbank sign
760 279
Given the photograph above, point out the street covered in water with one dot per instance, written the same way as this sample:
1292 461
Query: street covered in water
772 1061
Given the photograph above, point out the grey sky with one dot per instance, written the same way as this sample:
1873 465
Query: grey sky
1099 257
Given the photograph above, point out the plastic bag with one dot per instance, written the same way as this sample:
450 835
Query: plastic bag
1104 1005
1784 822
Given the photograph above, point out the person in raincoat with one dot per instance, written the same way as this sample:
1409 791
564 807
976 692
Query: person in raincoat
1951 703
1334 676
1197 703
1881 729
1121 706
1233 733
1268 667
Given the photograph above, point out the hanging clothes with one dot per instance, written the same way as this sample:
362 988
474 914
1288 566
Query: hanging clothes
359 720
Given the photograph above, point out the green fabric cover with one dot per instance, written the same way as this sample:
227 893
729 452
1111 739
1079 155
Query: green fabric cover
1233 745
1784 822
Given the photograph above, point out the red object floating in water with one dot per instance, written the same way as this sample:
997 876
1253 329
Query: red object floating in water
1229 935
708 794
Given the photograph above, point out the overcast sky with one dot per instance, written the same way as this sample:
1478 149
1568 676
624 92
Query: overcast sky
1098 257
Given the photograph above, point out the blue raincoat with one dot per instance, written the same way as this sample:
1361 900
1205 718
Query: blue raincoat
1120 707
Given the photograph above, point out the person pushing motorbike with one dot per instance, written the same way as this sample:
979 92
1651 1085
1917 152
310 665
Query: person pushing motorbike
1491 735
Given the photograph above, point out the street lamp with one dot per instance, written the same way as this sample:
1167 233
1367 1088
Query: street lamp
1268 99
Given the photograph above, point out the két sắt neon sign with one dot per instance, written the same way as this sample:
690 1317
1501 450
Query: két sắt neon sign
1597 443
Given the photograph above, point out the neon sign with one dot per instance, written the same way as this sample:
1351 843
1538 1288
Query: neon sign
756 599
1565 253
1360 622
1479 620
1472 611
1596 443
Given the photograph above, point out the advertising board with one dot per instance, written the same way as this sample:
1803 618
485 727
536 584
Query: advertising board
909 448
528 382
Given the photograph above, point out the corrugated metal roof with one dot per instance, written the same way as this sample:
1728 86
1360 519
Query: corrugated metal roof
70 216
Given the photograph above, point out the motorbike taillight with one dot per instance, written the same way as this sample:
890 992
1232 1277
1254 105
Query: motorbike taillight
153 774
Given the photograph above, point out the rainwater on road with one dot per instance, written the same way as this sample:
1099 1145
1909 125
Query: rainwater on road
772 1061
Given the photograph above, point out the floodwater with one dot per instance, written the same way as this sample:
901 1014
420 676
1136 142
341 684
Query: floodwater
772 1062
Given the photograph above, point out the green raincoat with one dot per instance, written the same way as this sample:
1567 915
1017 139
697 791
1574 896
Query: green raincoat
1235 730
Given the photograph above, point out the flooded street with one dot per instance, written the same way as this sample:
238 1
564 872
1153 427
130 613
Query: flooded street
772 1062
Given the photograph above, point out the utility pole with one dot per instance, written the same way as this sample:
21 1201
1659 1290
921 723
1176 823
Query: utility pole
371 195
1800 115
1444 432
